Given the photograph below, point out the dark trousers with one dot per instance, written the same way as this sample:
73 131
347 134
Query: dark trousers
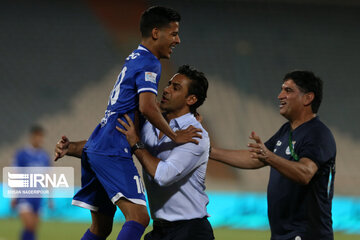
194 229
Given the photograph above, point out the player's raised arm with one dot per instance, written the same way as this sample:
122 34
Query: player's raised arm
149 108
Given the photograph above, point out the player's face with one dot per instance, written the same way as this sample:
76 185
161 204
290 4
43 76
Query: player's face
175 96
168 39
291 100
37 139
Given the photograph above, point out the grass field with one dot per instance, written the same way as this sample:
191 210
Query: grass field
10 229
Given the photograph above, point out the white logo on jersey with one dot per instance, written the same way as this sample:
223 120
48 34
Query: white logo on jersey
133 56
288 148
150 77
278 144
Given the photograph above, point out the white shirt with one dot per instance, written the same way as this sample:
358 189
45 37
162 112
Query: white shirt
177 192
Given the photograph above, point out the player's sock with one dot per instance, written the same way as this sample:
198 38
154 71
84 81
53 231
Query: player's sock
90 236
131 230
27 235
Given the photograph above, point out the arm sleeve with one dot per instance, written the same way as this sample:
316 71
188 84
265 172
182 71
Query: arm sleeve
148 80
316 147
48 160
17 160
182 160
270 144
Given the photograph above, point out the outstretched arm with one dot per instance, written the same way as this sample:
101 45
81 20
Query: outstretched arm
65 147
235 158
149 108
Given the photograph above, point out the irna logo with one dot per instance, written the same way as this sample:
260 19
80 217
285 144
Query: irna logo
38 182
18 180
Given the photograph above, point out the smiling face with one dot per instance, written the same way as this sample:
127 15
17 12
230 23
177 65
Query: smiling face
166 40
292 100
175 99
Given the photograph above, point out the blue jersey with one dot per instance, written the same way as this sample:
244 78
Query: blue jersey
303 210
140 73
31 157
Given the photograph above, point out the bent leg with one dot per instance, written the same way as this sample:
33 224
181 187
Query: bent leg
101 224
101 227
137 219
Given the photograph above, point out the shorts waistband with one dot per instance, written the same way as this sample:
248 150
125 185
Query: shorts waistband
169 224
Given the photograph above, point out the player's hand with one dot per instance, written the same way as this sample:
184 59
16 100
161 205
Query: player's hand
61 148
258 149
130 130
188 135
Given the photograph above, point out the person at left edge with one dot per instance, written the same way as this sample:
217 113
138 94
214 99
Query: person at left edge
109 176
31 156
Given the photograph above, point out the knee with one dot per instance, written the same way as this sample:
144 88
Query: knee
145 219
30 224
141 217
30 228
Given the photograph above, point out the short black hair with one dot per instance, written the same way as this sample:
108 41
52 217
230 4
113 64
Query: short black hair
198 85
37 129
308 82
157 17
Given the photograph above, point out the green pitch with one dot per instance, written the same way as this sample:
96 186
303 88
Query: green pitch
10 229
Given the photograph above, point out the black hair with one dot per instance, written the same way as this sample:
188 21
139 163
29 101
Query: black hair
308 82
198 85
37 129
157 17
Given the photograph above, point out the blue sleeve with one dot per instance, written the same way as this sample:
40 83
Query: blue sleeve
270 144
147 79
47 162
18 159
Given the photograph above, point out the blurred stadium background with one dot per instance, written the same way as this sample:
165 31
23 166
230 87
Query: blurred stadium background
59 61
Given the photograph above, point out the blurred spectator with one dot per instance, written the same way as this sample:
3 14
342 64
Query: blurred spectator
32 155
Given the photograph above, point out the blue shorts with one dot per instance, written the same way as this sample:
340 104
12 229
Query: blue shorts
106 179
28 205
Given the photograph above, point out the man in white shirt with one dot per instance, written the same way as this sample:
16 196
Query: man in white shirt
174 174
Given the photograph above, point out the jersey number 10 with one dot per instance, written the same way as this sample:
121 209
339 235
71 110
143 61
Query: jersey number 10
140 186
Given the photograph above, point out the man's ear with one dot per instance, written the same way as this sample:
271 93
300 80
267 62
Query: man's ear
155 33
308 98
191 100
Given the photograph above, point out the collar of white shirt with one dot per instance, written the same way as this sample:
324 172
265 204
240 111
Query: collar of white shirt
182 121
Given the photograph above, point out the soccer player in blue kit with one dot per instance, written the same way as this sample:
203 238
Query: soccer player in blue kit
109 176
301 155
31 156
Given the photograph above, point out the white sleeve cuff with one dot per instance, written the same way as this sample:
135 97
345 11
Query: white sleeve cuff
147 90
